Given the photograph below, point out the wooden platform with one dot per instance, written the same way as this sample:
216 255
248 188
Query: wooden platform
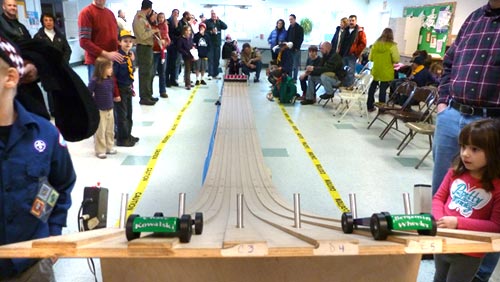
269 247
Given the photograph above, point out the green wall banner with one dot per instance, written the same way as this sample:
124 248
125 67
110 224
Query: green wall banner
436 27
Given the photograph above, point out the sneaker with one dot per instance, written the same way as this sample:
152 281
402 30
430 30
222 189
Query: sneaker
155 99
101 156
163 95
188 87
256 80
209 77
111 152
270 97
326 96
217 77
174 83
134 139
203 82
307 102
125 143
197 82
147 102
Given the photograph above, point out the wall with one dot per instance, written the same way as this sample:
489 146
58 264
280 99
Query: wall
258 19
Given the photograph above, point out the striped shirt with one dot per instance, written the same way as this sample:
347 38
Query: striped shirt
102 91
472 64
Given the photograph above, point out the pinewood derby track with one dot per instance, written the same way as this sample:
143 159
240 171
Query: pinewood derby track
268 247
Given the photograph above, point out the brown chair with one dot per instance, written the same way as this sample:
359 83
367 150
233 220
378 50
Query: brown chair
405 89
416 108
425 127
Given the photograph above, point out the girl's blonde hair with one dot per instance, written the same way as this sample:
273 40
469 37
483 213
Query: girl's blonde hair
484 134
100 66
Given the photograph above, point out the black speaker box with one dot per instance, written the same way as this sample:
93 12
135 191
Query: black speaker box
95 207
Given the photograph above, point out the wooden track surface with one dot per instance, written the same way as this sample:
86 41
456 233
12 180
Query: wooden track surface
237 167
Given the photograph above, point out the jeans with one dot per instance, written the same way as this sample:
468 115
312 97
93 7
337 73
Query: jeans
296 63
350 62
213 60
123 114
145 63
487 267
312 81
170 73
381 93
159 67
455 267
329 83
90 71
445 148
246 70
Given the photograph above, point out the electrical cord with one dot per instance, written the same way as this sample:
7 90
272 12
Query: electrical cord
81 228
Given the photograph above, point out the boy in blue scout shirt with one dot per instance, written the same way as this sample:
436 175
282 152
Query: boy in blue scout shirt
36 175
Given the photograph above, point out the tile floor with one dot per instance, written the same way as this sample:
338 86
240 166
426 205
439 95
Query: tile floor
356 160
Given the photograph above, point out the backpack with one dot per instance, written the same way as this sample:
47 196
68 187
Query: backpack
285 90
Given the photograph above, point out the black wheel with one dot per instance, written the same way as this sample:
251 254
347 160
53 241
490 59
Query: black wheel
429 232
347 222
379 227
131 235
198 223
185 228
158 214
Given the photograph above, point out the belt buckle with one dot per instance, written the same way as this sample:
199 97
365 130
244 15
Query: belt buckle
466 110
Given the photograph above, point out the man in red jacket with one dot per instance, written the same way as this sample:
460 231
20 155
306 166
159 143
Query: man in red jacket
353 42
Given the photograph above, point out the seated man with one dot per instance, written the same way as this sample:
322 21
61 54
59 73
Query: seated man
329 73
251 61
312 60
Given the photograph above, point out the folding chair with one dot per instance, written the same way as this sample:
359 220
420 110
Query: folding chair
407 88
423 98
358 94
425 127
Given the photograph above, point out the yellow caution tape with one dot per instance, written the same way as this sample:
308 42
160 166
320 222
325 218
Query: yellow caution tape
141 187
324 176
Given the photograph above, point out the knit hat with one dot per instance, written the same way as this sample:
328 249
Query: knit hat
202 25
11 56
228 37
146 4
125 33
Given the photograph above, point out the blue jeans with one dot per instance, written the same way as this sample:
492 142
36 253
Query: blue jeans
296 63
246 70
329 83
350 62
90 70
487 266
213 60
160 68
445 148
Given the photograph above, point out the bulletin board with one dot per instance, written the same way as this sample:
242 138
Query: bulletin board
436 28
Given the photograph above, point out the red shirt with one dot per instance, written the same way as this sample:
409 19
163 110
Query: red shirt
463 197
98 31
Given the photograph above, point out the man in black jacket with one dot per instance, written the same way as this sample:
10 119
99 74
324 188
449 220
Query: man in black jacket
329 73
296 36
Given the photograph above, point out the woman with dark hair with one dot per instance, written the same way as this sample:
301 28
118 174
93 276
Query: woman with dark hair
54 37
277 36
49 32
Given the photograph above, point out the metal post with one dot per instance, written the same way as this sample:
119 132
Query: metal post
352 205
182 204
406 199
296 209
123 210
239 210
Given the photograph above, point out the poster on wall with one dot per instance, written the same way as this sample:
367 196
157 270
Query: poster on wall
437 24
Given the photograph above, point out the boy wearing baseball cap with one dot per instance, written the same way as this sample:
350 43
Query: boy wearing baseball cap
124 75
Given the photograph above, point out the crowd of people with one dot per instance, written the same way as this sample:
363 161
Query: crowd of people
467 136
